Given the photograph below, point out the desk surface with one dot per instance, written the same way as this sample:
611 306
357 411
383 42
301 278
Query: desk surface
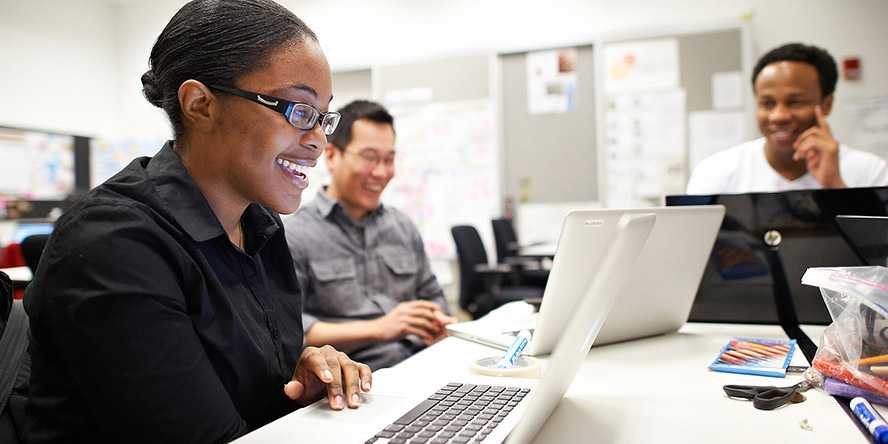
18 274
650 390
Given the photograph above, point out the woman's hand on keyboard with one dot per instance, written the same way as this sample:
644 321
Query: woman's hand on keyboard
327 370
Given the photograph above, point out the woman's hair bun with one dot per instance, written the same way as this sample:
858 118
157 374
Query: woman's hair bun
150 90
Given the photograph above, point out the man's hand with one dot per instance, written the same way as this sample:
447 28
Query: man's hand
820 151
325 369
414 317
445 320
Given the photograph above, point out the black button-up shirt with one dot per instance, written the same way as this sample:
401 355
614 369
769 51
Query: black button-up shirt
148 325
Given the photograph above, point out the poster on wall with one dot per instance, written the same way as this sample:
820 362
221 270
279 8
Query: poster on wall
640 66
869 130
645 147
728 90
712 131
551 81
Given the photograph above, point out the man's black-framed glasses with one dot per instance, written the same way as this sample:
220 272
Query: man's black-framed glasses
301 115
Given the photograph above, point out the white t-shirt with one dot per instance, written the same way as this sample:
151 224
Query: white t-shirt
744 169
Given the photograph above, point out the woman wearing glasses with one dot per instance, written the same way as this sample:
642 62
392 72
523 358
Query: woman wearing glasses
164 308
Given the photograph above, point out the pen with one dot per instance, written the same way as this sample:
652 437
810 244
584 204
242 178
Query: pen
511 356
870 419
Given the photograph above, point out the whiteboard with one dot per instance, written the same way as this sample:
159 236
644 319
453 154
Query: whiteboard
447 172
36 165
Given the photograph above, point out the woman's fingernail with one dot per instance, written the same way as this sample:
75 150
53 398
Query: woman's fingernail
328 375
366 386
337 402
356 399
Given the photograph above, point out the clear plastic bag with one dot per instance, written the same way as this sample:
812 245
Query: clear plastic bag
854 348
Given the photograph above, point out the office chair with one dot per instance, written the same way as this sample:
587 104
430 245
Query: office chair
15 366
32 248
481 286
530 268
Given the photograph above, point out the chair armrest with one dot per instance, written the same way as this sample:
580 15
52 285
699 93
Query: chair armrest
530 262
501 269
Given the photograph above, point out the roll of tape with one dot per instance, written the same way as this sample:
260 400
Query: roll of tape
525 367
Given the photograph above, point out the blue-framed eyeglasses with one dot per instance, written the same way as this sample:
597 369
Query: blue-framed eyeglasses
301 115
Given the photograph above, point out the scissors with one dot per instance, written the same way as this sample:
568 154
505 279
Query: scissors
769 397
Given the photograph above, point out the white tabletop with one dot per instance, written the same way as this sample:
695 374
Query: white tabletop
650 390
18 274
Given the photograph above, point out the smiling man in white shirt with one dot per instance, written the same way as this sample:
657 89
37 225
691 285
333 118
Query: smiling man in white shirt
793 86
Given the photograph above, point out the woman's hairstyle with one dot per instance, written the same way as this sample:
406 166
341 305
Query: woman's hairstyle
216 42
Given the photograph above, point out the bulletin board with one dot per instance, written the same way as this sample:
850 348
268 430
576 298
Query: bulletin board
663 95
42 166
448 161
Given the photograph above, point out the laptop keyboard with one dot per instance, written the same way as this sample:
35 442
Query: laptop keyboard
457 413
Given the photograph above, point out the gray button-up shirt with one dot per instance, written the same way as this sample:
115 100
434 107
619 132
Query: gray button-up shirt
359 270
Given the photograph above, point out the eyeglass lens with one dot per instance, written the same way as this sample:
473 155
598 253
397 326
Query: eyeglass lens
306 117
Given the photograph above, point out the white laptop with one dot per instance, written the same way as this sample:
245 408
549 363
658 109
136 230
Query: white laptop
476 408
656 300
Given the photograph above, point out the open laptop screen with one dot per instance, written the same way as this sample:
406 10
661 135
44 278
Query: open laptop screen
868 237
737 282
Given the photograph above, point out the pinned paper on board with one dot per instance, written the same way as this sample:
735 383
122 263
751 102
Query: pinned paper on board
869 129
645 143
712 131
551 81
727 90
641 66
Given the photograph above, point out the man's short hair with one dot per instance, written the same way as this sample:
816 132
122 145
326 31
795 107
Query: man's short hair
354 111
821 60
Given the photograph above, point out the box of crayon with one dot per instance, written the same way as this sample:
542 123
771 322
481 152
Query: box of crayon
764 357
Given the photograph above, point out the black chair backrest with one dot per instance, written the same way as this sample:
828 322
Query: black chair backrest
15 365
470 252
5 299
505 239
32 248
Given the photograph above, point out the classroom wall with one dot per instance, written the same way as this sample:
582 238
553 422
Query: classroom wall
81 51
58 66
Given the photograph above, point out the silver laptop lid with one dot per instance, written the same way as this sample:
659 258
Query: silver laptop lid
617 265
659 297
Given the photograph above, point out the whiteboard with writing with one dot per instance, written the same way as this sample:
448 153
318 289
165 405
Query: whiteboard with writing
447 170
36 165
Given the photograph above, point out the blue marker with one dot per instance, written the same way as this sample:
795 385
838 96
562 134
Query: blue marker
870 419
511 356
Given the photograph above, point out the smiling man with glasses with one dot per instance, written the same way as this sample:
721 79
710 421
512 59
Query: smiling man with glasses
368 286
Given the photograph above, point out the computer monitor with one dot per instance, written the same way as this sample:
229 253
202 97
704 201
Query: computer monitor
24 229
737 285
